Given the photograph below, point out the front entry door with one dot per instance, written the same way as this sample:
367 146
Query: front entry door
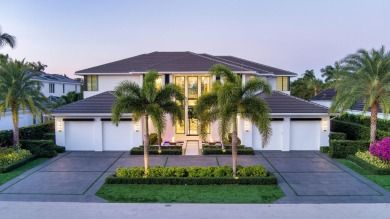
192 122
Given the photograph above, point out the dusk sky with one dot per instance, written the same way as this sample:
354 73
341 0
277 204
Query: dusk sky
70 35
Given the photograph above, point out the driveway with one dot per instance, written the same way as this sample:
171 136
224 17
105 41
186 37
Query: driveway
304 176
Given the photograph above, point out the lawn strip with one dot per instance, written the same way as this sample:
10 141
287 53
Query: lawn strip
5 177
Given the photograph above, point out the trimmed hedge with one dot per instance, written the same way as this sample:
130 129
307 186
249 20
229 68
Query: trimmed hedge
337 136
324 149
17 164
140 151
244 151
355 131
33 132
382 124
342 148
41 148
269 180
49 136
367 166
59 149
220 147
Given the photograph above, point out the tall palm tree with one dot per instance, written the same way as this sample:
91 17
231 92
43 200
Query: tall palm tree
148 101
6 39
369 80
225 102
333 73
316 85
18 91
38 66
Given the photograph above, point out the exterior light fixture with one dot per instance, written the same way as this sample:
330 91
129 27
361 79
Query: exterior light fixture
324 125
247 126
173 139
136 126
59 126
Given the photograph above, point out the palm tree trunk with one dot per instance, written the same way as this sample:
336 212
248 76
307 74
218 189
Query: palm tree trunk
374 118
234 146
159 140
15 120
146 144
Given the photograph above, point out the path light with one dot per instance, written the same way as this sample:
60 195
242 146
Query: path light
59 126
324 125
136 126
247 126
173 139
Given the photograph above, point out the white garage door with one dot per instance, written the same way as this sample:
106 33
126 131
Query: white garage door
305 135
275 142
117 138
79 135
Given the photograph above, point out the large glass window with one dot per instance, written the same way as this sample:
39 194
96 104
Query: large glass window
180 81
205 85
192 87
159 82
91 82
283 83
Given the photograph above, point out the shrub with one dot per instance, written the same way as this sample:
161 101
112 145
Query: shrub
382 124
244 151
373 160
10 156
252 171
49 136
33 132
41 148
368 166
153 139
337 136
381 149
59 149
140 151
133 172
341 148
324 149
355 131
228 141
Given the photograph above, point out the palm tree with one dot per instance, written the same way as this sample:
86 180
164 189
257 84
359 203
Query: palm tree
6 39
38 66
369 80
333 73
18 91
225 102
316 85
148 101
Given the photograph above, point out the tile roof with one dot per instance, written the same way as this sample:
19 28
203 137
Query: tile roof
181 62
327 94
42 76
283 103
277 101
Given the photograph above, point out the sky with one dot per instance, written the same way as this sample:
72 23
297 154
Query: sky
295 35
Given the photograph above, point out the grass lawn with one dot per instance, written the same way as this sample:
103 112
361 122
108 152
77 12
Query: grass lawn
382 180
190 194
5 177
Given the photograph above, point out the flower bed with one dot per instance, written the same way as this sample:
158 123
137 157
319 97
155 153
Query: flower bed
9 156
370 163
153 150
241 150
250 175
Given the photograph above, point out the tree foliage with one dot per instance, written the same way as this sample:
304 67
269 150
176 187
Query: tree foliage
307 86
7 39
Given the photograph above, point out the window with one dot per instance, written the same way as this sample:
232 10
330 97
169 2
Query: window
283 83
75 88
51 88
63 88
192 87
180 81
159 82
91 82
205 85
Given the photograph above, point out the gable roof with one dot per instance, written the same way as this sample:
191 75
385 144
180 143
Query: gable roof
181 62
278 103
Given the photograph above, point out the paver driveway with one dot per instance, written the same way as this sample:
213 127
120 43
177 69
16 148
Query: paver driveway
305 177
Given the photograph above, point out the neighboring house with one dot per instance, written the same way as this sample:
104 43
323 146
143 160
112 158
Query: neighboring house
86 125
325 98
54 86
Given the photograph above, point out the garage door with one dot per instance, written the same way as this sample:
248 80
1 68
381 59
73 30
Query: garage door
117 138
305 135
79 136
275 142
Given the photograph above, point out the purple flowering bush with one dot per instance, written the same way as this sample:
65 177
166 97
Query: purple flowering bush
381 149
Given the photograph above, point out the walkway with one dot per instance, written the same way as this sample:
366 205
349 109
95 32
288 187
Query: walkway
305 177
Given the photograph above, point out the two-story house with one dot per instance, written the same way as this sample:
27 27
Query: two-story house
54 86
86 125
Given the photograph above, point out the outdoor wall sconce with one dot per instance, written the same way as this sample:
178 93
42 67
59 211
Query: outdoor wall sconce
136 126
247 126
59 126
324 125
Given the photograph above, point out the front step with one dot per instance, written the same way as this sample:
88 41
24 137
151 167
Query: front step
192 147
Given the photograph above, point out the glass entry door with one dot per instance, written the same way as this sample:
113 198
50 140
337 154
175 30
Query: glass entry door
192 122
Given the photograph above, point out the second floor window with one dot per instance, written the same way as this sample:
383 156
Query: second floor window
63 88
283 83
91 82
51 88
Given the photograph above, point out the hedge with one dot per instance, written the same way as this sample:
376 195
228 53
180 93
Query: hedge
337 136
382 124
33 132
342 148
373 169
49 136
41 148
140 151
17 164
324 149
244 151
269 180
355 131
220 147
